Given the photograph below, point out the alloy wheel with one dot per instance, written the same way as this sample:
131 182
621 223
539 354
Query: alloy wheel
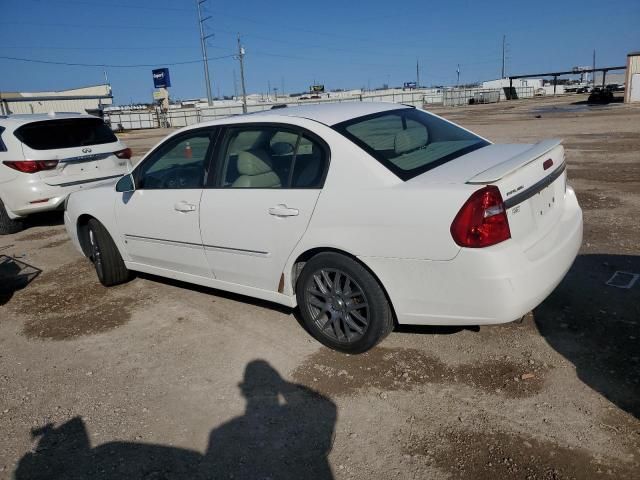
96 255
338 305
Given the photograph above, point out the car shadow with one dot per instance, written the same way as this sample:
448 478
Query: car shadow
45 219
218 293
14 275
415 329
286 432
596 327
435 329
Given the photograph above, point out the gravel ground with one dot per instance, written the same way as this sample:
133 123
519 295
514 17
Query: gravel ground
157 379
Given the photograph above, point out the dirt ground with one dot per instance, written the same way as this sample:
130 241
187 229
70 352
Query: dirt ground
157 379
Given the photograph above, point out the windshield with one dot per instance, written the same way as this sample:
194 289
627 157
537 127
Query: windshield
409 141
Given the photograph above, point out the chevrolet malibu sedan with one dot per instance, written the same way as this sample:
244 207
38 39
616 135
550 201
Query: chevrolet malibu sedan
362 215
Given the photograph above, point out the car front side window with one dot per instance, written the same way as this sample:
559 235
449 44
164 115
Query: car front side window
178 164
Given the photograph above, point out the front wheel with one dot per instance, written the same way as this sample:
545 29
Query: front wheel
342 304
105 256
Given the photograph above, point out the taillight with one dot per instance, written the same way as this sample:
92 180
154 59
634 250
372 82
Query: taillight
125 153
482 220
31 166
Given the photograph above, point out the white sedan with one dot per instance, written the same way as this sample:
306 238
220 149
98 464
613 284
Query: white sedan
361 214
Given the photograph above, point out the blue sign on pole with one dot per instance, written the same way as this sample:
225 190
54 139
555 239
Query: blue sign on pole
161 78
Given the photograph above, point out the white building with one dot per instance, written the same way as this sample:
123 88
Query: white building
90 99
632 87
535 83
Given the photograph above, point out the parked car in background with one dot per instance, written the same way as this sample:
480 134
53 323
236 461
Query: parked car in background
615 87
43 158
600 95
361 214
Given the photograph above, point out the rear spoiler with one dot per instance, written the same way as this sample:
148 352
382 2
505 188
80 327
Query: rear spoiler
503 169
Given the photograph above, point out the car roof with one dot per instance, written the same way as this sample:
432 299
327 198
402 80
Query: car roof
16 120
331 113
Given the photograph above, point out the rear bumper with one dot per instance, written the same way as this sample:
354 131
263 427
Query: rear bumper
493 285
19 193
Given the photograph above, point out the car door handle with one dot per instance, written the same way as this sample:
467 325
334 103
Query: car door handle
283 211
184 207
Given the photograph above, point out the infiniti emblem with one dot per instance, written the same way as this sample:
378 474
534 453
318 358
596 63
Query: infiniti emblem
86 150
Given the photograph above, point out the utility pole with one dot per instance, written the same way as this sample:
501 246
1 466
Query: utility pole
593 74
417 73
458 72
235 84
241 59
504 43
203 45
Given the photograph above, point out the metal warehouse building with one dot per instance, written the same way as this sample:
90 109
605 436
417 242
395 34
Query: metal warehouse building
632 88
91 99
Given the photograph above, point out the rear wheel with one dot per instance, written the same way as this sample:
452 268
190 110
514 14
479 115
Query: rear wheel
9 225
105 256
343 306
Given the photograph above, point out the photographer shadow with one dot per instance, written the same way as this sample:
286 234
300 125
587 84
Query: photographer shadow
286 432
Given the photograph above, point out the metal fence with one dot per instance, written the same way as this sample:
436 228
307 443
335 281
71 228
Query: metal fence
181 117
470 96
138 119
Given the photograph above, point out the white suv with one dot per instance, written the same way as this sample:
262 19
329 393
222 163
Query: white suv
43 158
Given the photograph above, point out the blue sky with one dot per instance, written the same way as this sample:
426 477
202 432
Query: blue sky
292 44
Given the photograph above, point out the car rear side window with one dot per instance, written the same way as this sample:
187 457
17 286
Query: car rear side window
65 133
271 157
3 147
408 141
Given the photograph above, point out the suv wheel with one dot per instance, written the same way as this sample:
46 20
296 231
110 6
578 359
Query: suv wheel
343 306
8 225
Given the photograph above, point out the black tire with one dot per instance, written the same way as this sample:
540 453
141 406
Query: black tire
336 316
9 225
105 255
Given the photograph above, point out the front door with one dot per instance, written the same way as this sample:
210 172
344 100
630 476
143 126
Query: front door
267 185
160 219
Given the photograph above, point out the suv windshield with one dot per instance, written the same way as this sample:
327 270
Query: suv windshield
408 141
67 133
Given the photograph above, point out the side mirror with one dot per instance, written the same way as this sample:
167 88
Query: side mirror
125 184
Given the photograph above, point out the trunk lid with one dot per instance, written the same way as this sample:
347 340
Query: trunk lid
84 148
531 179
76 166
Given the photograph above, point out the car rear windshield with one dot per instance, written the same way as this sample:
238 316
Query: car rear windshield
409 141
65 133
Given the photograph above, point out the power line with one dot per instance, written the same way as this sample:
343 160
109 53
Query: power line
68 64
154 47
116 5
93 26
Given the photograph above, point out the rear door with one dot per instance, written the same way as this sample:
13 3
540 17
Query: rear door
159 221
85 147
260 202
